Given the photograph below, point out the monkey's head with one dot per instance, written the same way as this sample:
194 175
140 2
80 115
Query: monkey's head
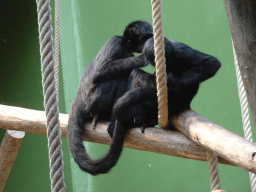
136 34
148 51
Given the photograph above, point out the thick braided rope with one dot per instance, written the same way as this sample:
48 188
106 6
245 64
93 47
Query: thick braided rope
244 113
161 78
50 100
56 45
213 169
162 86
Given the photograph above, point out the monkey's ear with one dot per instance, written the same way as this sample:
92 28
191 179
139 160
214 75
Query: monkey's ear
145 36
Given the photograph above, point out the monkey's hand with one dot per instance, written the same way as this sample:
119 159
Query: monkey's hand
144 58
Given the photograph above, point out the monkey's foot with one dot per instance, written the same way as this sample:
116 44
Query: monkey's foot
142 128
95 118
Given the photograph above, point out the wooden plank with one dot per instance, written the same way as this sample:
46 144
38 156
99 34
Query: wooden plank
154 139
242 22
8 152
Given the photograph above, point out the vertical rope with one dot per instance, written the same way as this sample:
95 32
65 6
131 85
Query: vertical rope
50 100
213 169
56 45
245 113
161 78
162 87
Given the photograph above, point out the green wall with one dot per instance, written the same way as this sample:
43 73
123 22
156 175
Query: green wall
85 27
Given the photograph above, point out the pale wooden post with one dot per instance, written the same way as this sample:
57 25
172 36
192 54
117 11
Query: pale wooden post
8 152
242 22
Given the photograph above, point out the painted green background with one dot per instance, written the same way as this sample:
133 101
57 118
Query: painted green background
85 27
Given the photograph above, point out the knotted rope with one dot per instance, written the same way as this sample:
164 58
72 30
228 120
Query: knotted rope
50 100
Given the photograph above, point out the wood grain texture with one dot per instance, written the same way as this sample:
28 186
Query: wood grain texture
154 139
8 152
242 22
215 138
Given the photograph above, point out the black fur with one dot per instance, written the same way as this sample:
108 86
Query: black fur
135 114
105 79
186 68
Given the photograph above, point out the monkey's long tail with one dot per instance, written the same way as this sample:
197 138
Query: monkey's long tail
76 124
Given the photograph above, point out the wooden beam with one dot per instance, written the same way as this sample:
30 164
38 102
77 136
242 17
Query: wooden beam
215 138
154 139
242 22
8 152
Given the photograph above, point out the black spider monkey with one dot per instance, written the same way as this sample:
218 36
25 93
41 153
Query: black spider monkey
104 80
186 68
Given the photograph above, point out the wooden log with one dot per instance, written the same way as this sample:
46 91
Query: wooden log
242 22
154 139
217 139
8 152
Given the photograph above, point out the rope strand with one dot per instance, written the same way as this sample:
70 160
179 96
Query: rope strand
161 78
244 112
213 170
50 99
56 45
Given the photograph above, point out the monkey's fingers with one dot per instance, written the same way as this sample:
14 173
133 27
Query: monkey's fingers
94 121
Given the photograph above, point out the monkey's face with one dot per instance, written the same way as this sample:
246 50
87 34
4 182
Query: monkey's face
137 33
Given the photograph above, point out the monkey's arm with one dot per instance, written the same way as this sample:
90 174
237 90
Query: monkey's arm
203 66
140 78
119 68
137 79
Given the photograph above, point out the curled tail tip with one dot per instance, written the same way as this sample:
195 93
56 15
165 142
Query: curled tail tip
80 155
92 170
